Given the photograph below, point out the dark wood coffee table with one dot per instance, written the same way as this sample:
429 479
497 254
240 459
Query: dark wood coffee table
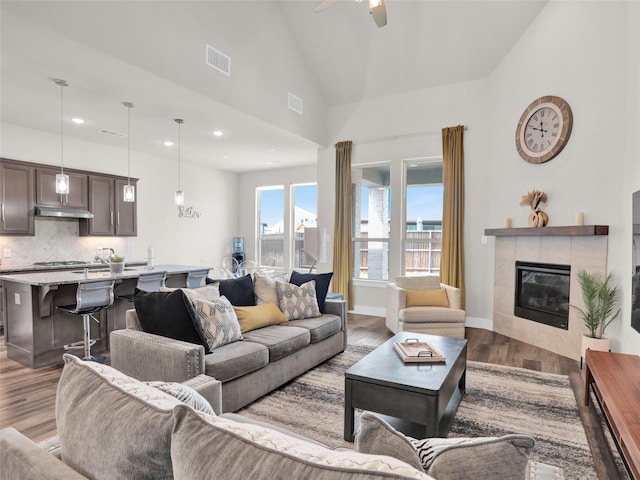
427 394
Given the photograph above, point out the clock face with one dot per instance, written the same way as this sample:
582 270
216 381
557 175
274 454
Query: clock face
544 129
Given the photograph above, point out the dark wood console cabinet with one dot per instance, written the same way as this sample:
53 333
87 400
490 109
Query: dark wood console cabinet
615 378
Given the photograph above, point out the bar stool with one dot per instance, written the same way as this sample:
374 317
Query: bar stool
147 282
197 279
91 297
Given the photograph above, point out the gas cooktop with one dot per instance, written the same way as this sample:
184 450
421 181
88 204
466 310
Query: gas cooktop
60 263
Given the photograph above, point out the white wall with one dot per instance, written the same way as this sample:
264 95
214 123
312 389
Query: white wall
198 241
561 53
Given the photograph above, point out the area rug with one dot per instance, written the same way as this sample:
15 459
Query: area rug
498 401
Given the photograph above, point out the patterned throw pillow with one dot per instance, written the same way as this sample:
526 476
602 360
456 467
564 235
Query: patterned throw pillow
209 292
265 289
185 394
298 302
218 321
499 458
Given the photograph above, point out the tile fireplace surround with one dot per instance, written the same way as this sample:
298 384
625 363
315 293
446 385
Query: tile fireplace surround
583 247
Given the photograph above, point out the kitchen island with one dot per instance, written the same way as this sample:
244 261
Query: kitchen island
36 331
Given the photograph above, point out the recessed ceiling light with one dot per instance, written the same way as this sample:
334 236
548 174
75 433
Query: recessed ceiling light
168 143
218 133
77 120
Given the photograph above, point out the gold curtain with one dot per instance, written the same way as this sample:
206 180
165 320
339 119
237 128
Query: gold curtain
452 263
342 251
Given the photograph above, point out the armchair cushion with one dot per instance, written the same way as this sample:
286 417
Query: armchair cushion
169 314
433 298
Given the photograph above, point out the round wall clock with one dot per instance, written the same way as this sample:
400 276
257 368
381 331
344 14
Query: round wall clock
544 129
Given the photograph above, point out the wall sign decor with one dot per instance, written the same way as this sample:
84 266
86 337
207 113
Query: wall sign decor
544 129
188 212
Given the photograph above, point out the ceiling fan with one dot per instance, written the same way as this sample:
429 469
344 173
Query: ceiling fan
376 9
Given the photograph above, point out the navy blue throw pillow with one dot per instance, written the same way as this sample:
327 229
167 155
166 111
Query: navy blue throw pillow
239 291
322 284
169 314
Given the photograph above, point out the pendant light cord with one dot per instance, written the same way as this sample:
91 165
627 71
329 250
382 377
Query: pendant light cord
129 106
62 85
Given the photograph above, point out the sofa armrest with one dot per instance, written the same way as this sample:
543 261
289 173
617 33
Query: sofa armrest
396 300
209 388
338 307
23 458
146 356
454 295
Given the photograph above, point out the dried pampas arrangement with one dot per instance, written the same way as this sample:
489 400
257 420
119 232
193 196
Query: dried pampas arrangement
537 218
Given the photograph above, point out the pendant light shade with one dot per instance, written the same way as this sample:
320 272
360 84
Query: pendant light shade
128 191
179 195
62 180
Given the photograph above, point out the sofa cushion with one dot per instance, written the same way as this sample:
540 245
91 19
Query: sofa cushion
206 447
111 425
499 458
320 327
431 314
433 298
322 284
235 360
298 302
218 321
259 316
185 394
169 314
279 340
239 291
377 437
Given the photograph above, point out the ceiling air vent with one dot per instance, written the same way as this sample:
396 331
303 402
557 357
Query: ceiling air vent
295 103
111 132
218 60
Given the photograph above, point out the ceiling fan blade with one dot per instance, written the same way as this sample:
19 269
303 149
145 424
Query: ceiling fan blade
324 5
379 14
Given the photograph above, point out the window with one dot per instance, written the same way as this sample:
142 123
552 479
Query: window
423 218
271 225
371 212
305 215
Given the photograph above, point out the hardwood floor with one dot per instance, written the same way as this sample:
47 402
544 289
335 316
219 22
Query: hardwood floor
27 397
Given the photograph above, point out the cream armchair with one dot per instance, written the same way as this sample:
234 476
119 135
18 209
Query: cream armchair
435 320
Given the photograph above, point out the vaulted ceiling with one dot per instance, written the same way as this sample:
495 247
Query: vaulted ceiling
152 53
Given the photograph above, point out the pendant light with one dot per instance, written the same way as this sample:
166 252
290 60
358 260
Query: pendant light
128 191
179 195
62 180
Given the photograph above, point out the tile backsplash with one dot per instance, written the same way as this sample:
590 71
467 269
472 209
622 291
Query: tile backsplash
56 239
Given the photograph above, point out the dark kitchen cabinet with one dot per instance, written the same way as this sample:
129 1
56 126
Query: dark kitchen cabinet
16 193
111 214
46 189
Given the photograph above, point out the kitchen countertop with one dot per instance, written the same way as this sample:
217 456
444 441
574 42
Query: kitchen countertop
76 274
6 269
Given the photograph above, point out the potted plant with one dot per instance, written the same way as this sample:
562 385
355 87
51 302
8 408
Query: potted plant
117 263
599 299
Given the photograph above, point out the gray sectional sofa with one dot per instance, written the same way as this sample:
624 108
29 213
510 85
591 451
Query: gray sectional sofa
265 359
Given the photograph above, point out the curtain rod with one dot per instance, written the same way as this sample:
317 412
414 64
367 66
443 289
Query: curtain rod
402 136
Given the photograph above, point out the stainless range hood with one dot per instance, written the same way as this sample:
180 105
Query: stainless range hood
62 212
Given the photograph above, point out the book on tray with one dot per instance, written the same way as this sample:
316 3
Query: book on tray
414 351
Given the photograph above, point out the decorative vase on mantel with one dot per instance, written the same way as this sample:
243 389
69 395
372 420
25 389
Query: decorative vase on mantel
537 218
602 344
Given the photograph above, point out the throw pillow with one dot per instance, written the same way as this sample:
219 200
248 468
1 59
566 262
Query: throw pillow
322 284
239 291
259 316
185 394
169 314
218 321
499 458
265 288
111 425
206 292
298 302
427 298
377 437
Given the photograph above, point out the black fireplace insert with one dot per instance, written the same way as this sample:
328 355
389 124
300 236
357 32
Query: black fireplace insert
542 293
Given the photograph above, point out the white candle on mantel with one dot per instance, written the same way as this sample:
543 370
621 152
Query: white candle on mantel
506 222
579 218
